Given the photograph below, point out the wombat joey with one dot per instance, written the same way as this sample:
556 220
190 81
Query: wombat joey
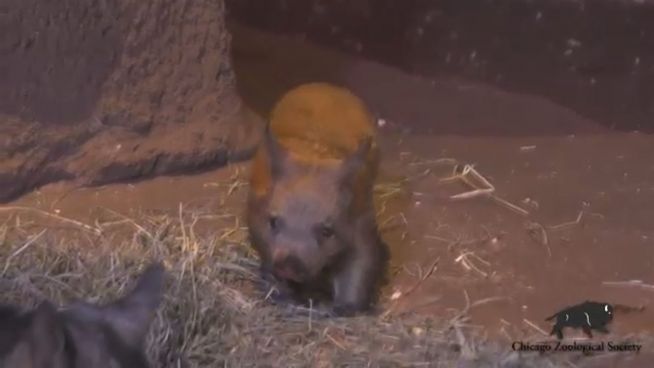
310 211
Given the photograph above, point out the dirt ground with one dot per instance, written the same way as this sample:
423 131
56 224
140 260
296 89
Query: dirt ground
587 196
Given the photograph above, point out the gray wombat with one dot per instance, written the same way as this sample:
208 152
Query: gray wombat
310 209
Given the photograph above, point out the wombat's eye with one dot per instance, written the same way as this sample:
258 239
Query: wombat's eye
274 222
326 231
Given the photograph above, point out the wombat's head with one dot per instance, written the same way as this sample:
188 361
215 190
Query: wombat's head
605 313
83 334
307 218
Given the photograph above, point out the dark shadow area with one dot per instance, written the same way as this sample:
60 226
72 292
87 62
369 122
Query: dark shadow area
594 57
267 65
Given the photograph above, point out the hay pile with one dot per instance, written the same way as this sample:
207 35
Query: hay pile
213 315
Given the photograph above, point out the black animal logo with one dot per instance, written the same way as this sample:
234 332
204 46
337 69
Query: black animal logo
588 316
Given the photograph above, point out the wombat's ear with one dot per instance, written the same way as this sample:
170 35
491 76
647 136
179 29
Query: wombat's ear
276 153
354 162
46 334
130 317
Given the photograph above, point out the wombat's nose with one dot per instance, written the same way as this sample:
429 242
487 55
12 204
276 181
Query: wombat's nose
288 268
279 255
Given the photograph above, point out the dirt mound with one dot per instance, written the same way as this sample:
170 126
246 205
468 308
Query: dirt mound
590 56
268 65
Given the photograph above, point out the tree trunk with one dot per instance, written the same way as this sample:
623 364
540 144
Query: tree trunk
110 90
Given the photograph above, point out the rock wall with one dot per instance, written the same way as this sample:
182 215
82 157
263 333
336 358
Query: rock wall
594 56
103 91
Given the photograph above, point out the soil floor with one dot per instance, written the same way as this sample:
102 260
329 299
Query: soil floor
589 195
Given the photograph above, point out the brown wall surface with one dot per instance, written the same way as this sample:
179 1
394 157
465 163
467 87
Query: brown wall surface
101 91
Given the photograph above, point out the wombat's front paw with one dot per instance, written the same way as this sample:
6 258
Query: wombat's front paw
280 295
274 291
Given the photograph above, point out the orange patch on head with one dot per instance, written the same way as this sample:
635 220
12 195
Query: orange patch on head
319 125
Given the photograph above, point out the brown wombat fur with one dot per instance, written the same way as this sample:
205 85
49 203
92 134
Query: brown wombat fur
310 209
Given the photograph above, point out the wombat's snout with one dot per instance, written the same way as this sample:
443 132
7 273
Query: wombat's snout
287 266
